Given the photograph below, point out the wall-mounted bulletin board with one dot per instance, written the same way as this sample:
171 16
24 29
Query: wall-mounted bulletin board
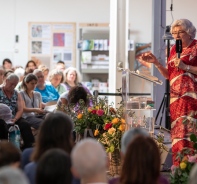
50 42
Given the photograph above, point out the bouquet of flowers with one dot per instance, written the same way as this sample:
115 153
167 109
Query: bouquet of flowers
187 158
100 121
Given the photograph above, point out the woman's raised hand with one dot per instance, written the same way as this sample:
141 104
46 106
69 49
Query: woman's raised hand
148 57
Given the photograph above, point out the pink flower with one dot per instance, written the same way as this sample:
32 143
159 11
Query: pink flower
173 169
93 111
192 159
100 112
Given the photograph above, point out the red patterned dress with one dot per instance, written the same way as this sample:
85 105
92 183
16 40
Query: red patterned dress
183 99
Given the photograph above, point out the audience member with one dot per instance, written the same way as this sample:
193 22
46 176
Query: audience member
73 78
32 102
20 72
9 154
89 162
7 64
72 97
60 66
141 162
47 91
2 71
55 132
56 77
30 65
193 175
10 175
45 71
54 167
10 97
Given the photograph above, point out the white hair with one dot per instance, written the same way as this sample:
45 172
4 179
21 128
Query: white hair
186 25
55 72
11 175
88 158
19 72
78 75
12 76
129 135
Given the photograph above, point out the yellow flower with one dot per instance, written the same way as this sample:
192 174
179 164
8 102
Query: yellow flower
97 107
111 130
96 132
79 116
122 127
122 120
115 120
183 165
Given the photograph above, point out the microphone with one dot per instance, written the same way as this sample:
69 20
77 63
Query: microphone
178 48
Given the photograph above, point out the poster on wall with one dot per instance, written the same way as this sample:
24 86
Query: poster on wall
52 42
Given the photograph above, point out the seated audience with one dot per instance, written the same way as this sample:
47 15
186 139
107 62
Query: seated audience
30 65
55 132
20 72
141 162
10 97
32 101
47 91
9 154
72 97
193 175
89 162
60 66
56 77
54 167
10 175
7 64
45 71
73 78
2 71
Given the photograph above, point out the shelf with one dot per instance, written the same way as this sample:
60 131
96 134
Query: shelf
88 70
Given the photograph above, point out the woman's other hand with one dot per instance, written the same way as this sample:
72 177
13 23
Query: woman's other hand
39 111
148 57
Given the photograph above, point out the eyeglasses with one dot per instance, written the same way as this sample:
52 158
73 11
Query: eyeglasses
178 33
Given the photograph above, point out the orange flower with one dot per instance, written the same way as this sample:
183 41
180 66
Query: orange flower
185 159
115 121
96 132
79 116
122 127
111 130
89 109
122 120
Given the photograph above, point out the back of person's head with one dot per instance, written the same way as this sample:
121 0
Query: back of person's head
20 72
129 135
142 162
5 113
76 93
88 158
28 78
10 175
9 154
55 132
54 166
193 175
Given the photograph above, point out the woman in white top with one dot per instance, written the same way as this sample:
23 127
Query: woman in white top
32 102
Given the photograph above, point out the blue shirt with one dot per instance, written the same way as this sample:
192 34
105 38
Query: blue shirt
49 93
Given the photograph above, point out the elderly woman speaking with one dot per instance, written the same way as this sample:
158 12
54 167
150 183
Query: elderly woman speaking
182 74
10 97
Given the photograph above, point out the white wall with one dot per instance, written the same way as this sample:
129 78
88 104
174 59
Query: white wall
15 15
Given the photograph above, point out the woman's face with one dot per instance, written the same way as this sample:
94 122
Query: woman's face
55 81
179 33
31 85
11 84
7 65
31 66
71 76
40 77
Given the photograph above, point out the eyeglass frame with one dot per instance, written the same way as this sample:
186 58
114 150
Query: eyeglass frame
178 33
